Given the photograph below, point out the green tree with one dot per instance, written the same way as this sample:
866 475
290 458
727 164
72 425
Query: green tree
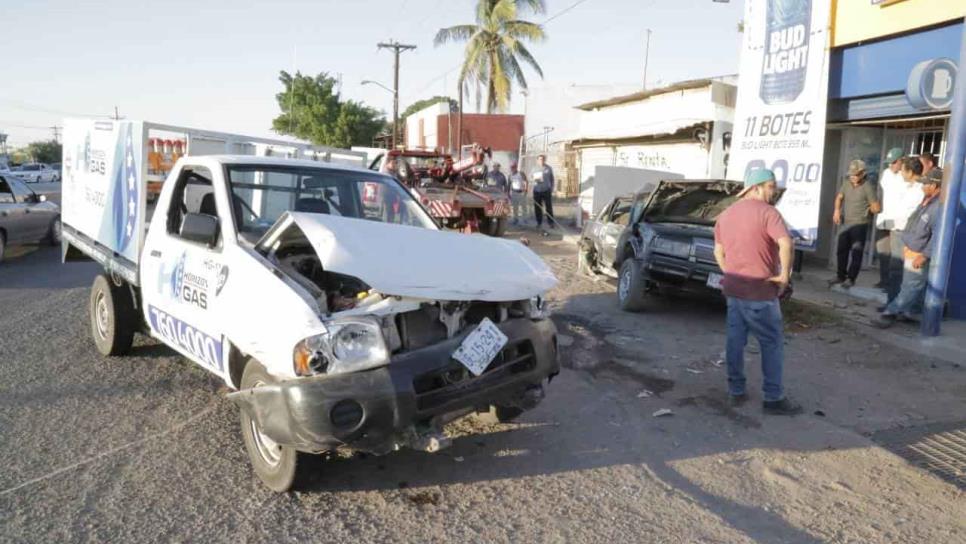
45 151
495 50
425 103
314 111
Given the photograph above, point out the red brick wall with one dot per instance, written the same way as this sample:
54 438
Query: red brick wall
501 132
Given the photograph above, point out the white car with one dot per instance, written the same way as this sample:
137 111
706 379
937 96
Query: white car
38 172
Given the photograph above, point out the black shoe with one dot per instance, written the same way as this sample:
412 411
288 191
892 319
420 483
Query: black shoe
882 308
884 321
848 284
835 281
782 407
737 400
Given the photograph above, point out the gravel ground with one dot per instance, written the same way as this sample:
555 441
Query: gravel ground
146 448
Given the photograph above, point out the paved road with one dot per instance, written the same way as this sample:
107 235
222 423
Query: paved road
146 448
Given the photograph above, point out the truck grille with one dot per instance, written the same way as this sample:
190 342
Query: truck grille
441 386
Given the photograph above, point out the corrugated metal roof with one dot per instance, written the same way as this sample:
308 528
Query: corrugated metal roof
641 95
644 130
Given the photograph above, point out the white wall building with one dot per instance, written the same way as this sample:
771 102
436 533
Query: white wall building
551 109
422 127
684 128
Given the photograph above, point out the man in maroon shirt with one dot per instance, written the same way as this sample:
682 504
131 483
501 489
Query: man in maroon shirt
754 250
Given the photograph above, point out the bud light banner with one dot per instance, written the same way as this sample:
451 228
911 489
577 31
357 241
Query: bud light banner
782 96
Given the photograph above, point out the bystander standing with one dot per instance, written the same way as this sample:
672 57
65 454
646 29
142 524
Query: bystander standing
928 161
855 204
890 186
496 178
543 192
754 250
901 201
519 188
918 239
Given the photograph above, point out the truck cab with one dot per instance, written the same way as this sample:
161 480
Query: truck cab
336 322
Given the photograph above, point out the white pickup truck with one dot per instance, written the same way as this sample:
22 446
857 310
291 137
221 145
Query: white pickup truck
338 321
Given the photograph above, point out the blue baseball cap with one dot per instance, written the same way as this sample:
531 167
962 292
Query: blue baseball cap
757 177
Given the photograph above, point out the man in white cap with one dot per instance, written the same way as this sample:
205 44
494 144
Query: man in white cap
754 250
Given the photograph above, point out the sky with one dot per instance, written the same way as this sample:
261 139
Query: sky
213 64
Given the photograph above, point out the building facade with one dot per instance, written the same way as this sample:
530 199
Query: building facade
892 69
683 129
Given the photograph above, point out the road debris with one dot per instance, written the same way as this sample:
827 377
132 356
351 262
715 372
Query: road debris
645 394
458 459
718 363
694 370
662 412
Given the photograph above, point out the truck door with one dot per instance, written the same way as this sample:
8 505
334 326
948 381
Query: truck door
181 276
615 224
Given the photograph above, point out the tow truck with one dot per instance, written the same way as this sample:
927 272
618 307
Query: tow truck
454 192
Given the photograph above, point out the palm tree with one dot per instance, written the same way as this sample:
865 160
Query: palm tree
494 49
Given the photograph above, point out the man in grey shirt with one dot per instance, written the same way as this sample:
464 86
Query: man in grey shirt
855 204
543 192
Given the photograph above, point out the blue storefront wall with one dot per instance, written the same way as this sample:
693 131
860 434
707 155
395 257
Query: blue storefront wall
868 81
883 67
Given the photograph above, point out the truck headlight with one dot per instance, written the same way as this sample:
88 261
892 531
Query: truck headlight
349 345
538 308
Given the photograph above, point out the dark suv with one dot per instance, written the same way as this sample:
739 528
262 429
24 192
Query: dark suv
671 243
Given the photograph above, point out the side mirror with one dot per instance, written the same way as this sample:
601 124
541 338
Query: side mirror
201 228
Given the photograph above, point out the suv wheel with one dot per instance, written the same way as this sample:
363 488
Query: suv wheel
631 286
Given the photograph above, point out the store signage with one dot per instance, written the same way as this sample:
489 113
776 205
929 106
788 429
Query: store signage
782 97
931 84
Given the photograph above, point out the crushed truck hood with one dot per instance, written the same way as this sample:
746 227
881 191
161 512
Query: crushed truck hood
424 263
690 201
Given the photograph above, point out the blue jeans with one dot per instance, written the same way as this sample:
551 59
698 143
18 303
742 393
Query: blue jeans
762 318
909 300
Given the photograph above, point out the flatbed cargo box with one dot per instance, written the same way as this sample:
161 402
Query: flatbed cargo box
113 170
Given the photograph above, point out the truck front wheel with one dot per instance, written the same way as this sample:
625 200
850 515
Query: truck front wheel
279 467
631 286
113 317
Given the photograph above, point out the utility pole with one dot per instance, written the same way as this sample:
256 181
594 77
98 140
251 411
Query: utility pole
117 115
647 53
941 263
397 48
56 130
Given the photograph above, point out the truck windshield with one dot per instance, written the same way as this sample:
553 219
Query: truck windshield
262 193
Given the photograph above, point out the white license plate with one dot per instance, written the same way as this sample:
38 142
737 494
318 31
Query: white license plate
481 346
714 280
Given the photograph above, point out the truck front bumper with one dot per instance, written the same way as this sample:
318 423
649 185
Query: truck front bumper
382 409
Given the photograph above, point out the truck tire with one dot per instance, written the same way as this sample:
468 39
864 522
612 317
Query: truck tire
499 227
113 317
631 286
281 468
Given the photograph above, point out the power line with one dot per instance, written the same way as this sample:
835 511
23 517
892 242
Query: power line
563 11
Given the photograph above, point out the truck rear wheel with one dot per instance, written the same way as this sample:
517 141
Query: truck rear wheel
279 467
500 228
113 317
